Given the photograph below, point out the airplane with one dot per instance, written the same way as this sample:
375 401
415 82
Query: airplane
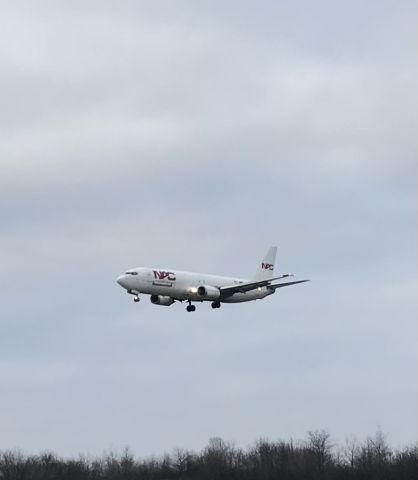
166 286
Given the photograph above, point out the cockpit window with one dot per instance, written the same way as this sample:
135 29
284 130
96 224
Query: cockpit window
131 273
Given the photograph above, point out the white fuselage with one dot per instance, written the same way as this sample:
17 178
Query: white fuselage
181 285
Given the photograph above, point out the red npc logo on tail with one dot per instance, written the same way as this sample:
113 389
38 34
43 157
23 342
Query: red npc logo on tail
267 266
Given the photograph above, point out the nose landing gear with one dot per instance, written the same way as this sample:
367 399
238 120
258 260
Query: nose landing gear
135 294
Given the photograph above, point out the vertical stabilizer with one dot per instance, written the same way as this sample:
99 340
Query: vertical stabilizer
266 267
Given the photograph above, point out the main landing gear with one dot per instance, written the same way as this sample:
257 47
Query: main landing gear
190 307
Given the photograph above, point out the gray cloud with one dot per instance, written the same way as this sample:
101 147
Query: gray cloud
194 136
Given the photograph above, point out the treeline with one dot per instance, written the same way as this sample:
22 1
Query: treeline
315 458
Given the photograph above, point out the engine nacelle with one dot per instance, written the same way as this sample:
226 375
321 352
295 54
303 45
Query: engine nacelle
161 300
208 292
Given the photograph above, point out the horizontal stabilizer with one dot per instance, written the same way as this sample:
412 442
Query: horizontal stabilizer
287 284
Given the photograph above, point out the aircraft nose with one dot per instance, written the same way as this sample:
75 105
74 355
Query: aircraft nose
122 281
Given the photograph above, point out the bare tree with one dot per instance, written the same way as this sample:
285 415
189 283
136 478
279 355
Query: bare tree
351 450
320 446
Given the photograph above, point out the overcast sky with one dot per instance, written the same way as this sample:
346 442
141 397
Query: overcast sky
194 135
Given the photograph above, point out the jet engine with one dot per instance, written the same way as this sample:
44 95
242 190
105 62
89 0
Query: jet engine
208 292
161 300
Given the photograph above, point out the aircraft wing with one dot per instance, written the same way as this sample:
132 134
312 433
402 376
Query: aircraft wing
248 286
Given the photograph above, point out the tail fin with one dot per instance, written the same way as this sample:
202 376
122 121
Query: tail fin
266 268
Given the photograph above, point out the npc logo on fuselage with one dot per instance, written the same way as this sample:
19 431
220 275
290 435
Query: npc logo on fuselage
267 266
163 275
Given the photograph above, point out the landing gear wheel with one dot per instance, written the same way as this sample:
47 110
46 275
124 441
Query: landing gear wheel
136 299
216 304
190 308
